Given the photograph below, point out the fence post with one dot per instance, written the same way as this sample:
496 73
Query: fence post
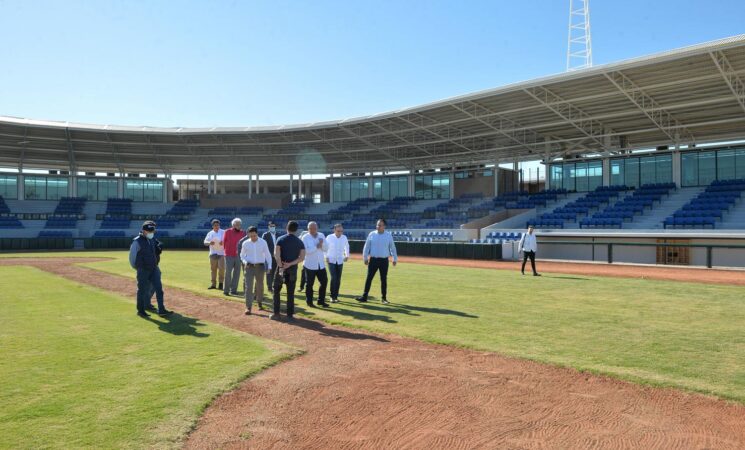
610 253
708 257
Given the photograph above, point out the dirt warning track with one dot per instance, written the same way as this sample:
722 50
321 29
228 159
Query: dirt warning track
355 389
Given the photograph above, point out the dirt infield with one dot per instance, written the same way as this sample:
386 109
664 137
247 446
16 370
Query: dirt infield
355 389
676 273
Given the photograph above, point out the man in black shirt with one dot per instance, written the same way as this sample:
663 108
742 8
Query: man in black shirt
288 252
271 238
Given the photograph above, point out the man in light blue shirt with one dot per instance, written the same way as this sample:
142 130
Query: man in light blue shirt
379 247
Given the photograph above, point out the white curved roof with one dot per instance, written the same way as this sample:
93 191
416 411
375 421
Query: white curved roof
689 95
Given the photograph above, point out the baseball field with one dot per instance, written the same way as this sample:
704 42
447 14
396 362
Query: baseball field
466 354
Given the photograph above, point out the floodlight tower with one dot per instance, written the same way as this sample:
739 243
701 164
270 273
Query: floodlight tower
579 44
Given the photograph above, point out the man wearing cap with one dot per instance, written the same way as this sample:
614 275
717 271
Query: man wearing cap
270 237
232 237
214 240
144 259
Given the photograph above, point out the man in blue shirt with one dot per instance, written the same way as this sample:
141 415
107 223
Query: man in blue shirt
379 246
143 257
288 252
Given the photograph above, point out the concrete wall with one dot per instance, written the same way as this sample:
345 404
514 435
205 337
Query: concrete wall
477 184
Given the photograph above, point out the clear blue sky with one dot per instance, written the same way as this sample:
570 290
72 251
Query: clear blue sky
239 63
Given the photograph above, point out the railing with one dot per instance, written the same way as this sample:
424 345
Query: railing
610 245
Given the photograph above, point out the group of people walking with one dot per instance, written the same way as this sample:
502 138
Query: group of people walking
278 259
274 260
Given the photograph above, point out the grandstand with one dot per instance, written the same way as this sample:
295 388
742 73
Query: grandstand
642 150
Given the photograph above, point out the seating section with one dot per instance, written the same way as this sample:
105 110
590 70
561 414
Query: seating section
582 206
504 236
401 235
438 235
627 208
707 208
3 206
55 234
118 213
10 222
66 213
109 234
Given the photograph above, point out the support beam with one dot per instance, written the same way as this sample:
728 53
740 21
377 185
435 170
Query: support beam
570 113
648 105
375 147
734 82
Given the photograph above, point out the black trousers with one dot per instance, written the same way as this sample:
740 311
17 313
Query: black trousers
373 266
270 275
288 277
527 255
303 278
335 271
310 276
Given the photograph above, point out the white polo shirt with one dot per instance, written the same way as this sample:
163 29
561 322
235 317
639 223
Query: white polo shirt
338 249
313 254
214 236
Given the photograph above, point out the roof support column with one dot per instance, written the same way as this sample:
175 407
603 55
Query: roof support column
257 184
250 188
291 186
677 160
21 184
120 186
412 188
496 179
606 171
452 182
331 187
300 186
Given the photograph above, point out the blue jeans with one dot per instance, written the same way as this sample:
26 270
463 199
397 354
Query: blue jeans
147 282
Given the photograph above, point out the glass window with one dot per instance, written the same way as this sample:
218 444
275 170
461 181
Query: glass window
9 186
740 164
432 186
594 175
556 179
726 165
647 170
631 168
580 175
664 169
568 177
108 188
45 188
707 168
689 168
617 173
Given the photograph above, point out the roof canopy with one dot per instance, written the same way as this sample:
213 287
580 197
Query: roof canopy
690 95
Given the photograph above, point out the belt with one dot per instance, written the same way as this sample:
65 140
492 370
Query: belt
254 265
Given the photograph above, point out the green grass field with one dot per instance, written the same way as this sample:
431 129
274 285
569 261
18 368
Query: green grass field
685 335
80 370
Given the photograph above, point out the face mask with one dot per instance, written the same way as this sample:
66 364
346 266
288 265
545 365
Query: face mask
150 235
272 229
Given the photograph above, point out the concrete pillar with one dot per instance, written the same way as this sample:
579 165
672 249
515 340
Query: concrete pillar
300 185
120 187
250 187
291 185
370 187
496 180
257 183
411 185
167 190
72 186
331 187
21 186
677 168
606 171
452 183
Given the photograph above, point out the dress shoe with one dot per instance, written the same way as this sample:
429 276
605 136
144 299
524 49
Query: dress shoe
362 298
164 313
150 308
536 274
310 304
274 316
247 312
143 314
290 319
221 287
324 304
212 287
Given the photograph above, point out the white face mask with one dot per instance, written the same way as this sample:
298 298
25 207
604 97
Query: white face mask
272 229
150 235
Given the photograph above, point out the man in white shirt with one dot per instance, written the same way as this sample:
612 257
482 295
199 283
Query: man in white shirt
528 246
336 255
313 265
214 240
257 260
302 271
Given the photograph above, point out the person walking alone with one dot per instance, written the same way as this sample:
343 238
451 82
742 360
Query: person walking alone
214 240
258 261
379 247
231 238
528 246
336 255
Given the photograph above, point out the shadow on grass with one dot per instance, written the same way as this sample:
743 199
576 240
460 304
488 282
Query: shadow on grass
180 325
559 277
405 309
321 328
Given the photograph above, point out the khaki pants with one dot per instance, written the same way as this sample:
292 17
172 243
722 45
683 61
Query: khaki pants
217 262
254 280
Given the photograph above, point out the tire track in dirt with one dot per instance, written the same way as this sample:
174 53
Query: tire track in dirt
354 389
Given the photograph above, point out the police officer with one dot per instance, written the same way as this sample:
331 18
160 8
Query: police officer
143 258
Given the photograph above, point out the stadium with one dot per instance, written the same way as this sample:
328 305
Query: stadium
631 173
